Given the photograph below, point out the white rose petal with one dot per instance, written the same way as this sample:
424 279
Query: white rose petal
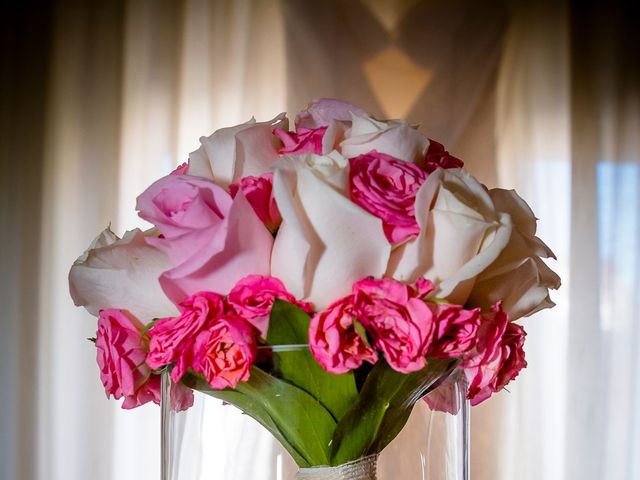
121 273
325 243
518 278
461 234
234 152
394 137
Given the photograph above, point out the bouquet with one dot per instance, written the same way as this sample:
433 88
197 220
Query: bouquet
360 244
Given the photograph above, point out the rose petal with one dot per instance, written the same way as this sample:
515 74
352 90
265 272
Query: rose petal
321 230
122 274
234 152
321 112
460 235
246 250
396 138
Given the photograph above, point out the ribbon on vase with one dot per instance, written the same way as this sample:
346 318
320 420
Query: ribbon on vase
361 469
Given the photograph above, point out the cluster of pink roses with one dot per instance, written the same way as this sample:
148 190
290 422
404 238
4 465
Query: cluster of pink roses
408 327
345 207
214 335
217 335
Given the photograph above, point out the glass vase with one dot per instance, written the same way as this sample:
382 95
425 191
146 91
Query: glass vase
425 436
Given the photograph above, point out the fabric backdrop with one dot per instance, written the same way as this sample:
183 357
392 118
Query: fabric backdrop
100 98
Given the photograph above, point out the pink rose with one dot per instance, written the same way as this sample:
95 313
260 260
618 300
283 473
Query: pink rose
253 296
304 140
446 397
181 169
513 358
456 330
259 194
211 239
498 359
225 352
423 287
173 337
321 112
438 157
334 341
150 391
400 324
181 397
386 187
121 357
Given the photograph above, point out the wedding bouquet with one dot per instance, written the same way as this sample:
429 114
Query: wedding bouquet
360 244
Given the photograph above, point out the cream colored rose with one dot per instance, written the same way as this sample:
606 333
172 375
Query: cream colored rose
121 273
519 278
234 152
461 234
325 242
393 137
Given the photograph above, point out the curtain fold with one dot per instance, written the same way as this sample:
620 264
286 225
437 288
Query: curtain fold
534 157
79 197
23 63
604 355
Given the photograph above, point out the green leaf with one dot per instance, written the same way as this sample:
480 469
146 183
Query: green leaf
361 331
289 325
383 408
249 406
288 412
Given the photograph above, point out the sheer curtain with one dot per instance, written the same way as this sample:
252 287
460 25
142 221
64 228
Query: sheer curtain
128 87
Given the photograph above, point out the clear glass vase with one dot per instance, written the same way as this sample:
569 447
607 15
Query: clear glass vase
215 440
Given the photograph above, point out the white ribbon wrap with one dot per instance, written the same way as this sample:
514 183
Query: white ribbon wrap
362 469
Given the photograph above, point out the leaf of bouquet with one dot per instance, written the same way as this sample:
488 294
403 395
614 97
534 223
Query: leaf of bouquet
294 417
289 325
382 409
250 406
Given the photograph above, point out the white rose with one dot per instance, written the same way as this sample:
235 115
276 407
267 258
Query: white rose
393 137
461 234
325 242
121 273
518 277
234 152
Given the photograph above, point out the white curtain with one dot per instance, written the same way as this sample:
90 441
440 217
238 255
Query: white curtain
531 97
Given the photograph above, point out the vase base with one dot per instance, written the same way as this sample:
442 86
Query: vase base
362 469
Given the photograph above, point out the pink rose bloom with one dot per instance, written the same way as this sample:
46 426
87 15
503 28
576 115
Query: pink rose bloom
211 239
253 296
438 157
498 359
259 194
304 140
121 357
400 324
386 187
225 352
334 341
181 397
456 330
173 337
423 287
321 112
446 396
512 355
181 169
